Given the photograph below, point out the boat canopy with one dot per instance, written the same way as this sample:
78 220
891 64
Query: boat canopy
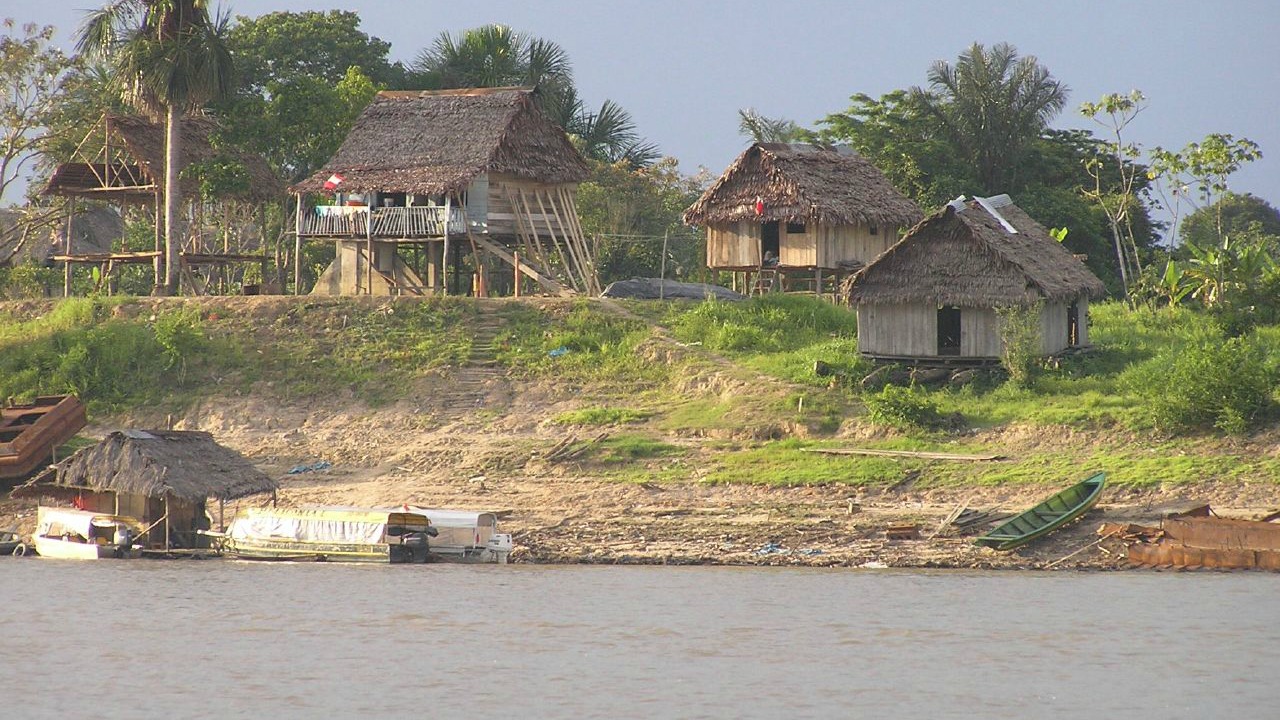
459 528
325 524
52 522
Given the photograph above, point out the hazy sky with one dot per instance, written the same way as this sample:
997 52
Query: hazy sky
683 68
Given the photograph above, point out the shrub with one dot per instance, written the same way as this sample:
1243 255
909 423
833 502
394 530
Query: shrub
1216 383
904 408
1020 343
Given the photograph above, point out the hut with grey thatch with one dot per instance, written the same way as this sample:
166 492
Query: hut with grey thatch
794 212
121 160
936 295
449 191
162 478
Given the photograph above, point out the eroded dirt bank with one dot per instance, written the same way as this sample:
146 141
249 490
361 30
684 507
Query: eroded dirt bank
427 454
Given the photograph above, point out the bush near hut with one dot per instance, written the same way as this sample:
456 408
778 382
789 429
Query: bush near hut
1227 384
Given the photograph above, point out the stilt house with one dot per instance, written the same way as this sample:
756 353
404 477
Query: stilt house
121 160
933 297
791 213
161 478
478 184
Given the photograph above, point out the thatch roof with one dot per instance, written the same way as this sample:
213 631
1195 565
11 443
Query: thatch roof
967 258
803 183
144 143
187 465
436 142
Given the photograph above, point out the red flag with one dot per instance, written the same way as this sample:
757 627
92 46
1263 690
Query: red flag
333 182
759 205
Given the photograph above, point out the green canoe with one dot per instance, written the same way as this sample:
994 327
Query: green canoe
1046 517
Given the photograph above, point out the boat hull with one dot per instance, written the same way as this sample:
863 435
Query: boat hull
70 550
1049 515
325 552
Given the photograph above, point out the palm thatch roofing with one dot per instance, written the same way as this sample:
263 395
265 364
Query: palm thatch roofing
156 463
803 183
437 142
143 142
965 257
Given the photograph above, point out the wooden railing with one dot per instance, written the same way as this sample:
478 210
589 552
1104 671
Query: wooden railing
388 222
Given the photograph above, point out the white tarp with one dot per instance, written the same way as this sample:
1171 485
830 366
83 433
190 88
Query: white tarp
321 525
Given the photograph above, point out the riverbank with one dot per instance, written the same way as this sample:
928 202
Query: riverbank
622 444
560 518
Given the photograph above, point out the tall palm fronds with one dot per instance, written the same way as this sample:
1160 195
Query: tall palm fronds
992 103
494 56
762 129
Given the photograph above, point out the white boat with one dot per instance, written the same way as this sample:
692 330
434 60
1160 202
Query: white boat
335 534
83 535
465 536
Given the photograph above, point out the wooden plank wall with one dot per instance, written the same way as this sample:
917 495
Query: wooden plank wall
898 329
502 219
840 243
979 332
733 245
736 245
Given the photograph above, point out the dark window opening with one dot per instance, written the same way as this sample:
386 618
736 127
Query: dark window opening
795 228
391 199
875 229
948 330
769 243
1073 325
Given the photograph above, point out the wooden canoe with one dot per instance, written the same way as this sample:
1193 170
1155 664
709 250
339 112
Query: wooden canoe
1049 515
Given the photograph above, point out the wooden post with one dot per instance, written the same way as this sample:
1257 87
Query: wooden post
166 523
662 274
515 274
297 247
817 281
444 263
66 265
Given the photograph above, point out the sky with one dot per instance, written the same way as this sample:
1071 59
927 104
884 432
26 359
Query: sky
683 68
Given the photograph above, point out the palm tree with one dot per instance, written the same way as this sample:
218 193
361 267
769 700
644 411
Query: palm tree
495 56
764 129
992 104
168 58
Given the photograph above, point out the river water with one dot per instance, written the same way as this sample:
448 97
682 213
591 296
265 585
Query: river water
217 638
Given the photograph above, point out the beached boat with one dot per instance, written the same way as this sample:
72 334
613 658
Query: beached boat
1049 515
337 534
9 541
465 536
84 535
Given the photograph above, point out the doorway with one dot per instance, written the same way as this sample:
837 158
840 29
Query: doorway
769 243
1073 325
948 330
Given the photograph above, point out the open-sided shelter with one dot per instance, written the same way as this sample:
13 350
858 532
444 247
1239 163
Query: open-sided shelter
122 160
161 478
935 295
801 212
477 173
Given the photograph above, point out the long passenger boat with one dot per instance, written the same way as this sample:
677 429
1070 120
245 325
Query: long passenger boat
1049 515
335 534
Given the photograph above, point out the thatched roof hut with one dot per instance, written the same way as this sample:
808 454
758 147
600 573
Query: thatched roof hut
137 173
184 465
797 213
968 258
937 292
436 142
803 183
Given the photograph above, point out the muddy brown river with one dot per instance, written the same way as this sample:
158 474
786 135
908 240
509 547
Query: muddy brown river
225 639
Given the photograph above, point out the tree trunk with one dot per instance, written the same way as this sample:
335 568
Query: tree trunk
172 198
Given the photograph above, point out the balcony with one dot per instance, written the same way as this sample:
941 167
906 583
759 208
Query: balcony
388 222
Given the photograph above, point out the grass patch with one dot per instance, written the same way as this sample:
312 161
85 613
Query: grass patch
601 416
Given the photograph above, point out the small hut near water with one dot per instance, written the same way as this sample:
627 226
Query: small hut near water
429 181
799 213
161 478
934 296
